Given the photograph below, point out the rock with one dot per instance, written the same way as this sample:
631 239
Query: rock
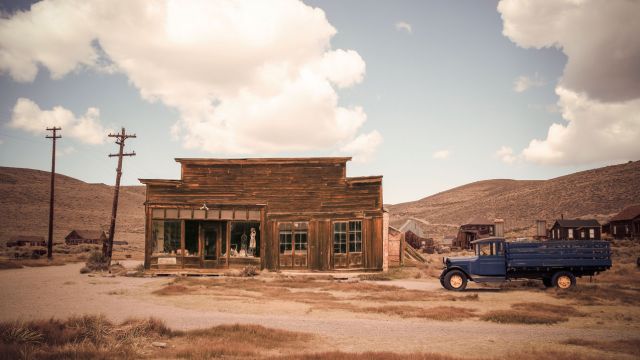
159 344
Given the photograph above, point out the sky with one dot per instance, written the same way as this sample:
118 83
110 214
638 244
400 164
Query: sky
429 94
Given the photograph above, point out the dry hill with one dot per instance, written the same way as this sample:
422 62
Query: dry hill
24 199
597 193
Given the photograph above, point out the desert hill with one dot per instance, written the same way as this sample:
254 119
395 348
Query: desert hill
597 193
24 200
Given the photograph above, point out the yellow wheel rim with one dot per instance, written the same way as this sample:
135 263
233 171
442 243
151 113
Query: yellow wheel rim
564 282
455 281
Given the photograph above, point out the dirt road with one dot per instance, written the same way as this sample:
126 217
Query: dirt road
61 291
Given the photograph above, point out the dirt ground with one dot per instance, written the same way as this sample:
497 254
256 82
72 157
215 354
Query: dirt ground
351 316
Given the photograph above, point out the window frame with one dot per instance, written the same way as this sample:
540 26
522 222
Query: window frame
294 228
348 232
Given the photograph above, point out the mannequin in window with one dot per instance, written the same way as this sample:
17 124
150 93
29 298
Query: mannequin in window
252 242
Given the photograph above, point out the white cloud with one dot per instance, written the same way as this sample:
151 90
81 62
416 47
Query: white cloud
65 151
364 146
596 131
404 26
506 155
523 83
599 92
441 154
247 77
28 116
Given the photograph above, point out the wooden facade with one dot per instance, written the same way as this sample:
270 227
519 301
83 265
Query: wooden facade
575 229
298 213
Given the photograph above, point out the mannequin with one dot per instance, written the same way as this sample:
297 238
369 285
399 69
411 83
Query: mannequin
252 242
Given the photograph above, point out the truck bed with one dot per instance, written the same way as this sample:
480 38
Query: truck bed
595 254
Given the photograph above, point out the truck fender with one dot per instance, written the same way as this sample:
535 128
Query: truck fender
445 271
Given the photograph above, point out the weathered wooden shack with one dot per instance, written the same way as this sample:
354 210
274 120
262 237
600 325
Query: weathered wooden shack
474 229
575 229
76 237
626 224
279 213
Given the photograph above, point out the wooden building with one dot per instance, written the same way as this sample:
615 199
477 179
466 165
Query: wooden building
283 213
575 229
474 229
26 240
76 237
626 224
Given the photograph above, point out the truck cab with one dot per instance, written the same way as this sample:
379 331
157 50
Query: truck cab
488 264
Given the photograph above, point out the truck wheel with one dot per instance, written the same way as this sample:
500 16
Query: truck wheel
563 280
455 280
547 282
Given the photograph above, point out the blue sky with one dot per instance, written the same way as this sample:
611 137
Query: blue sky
439 94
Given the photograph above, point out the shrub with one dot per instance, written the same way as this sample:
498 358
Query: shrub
249 271
97 262
85 270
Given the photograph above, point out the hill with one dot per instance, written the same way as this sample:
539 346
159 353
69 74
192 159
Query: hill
597 193
24 199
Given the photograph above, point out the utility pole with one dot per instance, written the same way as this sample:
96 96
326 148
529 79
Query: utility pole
53 137
107 248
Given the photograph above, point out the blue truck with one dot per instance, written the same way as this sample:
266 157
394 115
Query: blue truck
557 263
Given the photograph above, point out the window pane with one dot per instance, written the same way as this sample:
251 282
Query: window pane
285 241
340 237
485 249
165 236
301 242
355 236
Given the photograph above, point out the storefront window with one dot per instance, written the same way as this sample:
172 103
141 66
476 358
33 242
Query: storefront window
166 237
245 239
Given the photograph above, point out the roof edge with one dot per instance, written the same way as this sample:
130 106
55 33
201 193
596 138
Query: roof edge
308 160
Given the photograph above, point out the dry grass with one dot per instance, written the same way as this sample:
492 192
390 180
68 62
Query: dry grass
94 337
533 313
522 317
601 294
6 265
631 347
378 355
563 310
440 313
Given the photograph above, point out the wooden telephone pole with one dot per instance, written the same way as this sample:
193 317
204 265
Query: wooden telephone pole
107 248
53 137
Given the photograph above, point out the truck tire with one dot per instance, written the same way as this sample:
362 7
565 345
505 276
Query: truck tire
563 280
455 280
547 282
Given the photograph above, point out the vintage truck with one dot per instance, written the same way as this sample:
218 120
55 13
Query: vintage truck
557 263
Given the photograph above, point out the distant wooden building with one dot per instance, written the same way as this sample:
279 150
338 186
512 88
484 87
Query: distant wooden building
76 237
474 229
626 224
575 229
26 240
283 213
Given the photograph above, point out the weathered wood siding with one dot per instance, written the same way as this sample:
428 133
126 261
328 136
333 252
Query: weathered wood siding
314 190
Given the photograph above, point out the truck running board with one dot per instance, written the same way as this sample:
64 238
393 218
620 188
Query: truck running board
487 279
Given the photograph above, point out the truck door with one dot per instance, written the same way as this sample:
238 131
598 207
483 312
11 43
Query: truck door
490 259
